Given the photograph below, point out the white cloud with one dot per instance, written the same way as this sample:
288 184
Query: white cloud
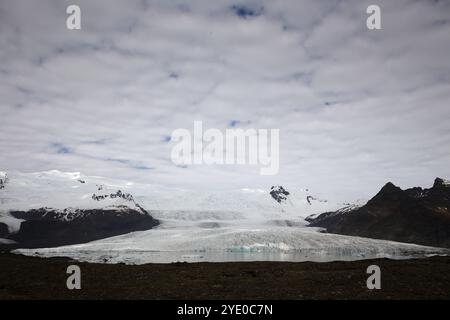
355 107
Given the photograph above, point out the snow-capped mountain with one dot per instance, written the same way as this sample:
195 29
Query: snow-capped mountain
61 190
56 208
65 190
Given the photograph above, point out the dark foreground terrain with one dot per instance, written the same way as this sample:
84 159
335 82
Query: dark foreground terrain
38 278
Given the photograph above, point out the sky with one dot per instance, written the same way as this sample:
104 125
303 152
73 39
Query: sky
356 108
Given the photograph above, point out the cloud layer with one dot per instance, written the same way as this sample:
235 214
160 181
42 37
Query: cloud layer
355 107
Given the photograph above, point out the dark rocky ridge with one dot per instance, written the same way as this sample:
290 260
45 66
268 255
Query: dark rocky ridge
279 193
3 230
415 215
46 227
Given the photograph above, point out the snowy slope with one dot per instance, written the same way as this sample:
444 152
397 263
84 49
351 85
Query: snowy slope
65 193
73 190
59 190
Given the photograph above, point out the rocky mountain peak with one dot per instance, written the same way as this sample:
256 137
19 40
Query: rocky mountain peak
439 182
389 187
389 193
279 193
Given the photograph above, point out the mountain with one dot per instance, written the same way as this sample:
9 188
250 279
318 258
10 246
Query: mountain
301 201
414 215
43 210
65 190
44 227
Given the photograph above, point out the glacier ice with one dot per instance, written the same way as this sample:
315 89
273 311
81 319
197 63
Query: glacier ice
233 244
232 225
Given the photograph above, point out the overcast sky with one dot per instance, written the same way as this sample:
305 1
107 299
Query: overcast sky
355 108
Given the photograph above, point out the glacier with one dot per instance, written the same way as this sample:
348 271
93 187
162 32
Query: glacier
233 244
230 225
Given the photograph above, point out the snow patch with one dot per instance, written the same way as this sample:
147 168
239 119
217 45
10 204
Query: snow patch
6 241
12 222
